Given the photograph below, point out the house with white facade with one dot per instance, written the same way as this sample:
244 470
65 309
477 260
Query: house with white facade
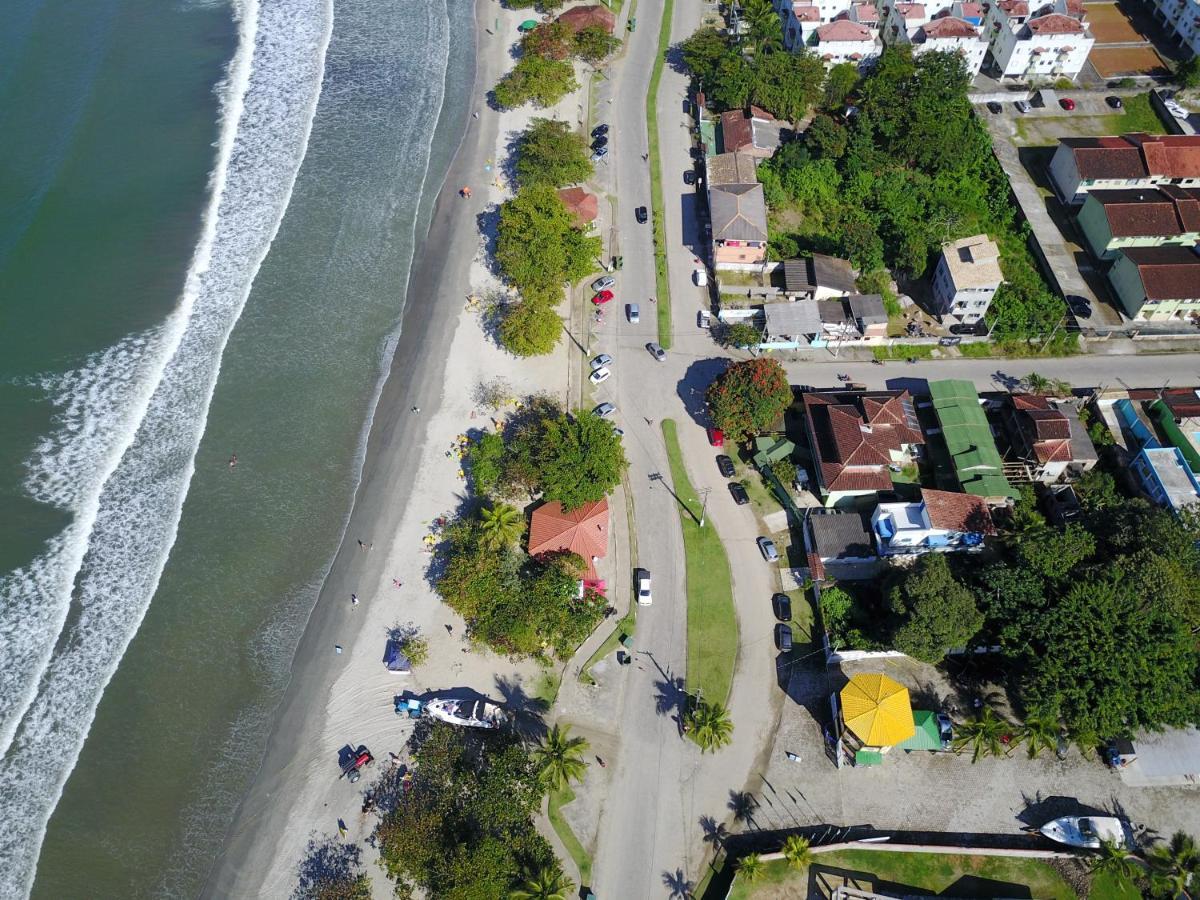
800 22
1139 160
845 41
966 279
1182 21
1051 42
906 24
942 521
826 10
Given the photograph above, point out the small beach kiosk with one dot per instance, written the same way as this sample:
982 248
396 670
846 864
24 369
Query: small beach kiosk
878 712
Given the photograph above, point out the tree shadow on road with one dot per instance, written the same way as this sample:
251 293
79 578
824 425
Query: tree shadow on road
327 862
715 833
692 388
743 806
678 886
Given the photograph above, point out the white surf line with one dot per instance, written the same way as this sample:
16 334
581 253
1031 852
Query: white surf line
139 507
37 598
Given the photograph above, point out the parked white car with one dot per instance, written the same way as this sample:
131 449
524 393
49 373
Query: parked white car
704 319
701 277
600 375
643 587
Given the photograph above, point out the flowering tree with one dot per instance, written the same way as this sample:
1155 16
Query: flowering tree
749 397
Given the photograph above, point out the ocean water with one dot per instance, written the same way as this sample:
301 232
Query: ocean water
205 240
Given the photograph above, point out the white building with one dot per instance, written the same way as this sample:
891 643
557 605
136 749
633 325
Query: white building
799 23
1182 19
967 278
1053 42
946 33
942 521
826 11
845 41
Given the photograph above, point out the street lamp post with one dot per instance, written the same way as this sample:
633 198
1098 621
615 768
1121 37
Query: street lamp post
704 506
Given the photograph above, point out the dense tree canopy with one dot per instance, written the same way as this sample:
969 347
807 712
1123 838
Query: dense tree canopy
574 459
530 328
549 152
749 397
539 80
594 43
934 612
538 244
464 828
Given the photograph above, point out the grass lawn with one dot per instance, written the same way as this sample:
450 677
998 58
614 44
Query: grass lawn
712 631
926 873
1139 115
1106 887
662 285
554 804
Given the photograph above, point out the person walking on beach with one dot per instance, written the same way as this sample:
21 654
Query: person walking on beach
354 599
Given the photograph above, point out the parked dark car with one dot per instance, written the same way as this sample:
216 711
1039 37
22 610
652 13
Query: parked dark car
689 177
1081 307
599 130
783 637
725 465
1114 102
964 329
599 142
640 215
740 497
994 108
782 605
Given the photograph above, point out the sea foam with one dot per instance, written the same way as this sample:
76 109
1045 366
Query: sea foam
129 426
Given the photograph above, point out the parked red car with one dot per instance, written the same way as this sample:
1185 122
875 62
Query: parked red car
1067 103
716 437
602 297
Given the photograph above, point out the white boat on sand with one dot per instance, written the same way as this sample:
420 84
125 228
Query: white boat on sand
468 713
1085 831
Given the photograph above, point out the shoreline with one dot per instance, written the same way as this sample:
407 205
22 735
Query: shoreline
255 855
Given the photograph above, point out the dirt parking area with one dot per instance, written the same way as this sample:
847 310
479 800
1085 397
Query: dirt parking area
1109 25
1120 61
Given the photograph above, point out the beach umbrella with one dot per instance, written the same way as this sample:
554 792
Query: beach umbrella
878 710
527 25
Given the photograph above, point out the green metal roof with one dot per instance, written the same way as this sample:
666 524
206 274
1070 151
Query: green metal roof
977 464
868 758
773 447
926 736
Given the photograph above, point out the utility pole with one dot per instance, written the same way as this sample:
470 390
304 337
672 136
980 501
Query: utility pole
704 506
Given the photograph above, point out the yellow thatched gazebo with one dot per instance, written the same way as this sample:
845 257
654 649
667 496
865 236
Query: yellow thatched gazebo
878 710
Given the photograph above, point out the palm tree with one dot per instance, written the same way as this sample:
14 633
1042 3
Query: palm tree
711 726
751 867
985 735
545 883
764 29
1041 732
560 758
1113 859
502 525
1037 384
1173 865
797 851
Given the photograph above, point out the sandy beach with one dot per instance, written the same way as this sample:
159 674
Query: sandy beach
411 476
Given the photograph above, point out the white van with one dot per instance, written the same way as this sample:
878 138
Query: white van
631 310
701 277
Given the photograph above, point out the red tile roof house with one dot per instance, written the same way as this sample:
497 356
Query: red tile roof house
845 41
754 132
856 438
1158 284
1047 438
1080 165
582 531
582 205
1142 217
582 17
942 521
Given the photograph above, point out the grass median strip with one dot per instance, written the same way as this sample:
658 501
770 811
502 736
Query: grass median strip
662 285
712 631
554 804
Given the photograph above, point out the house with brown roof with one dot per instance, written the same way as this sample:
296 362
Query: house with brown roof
845 41
1052 41
1127 162
819 277
1157 284
582 205
941 521
592 16
857 439
1046 437
838 546
754 132
1141 217
582 531
966 279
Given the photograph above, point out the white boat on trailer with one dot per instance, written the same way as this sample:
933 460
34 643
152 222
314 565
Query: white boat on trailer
1086 831
468 713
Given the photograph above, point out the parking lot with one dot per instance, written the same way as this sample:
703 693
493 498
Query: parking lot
939 791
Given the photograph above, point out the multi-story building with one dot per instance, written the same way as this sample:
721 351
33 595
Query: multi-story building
845 41
1052 42
941 522
1140 217
904 25
1182 19
800 21
1157 283
1084 164
966 279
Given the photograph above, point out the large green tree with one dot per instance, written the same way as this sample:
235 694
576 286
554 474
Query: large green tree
787 84
538 245
935 612
749 397
464 828
594 43
574 459
539 80
549 152
530 328
551 40
710 724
